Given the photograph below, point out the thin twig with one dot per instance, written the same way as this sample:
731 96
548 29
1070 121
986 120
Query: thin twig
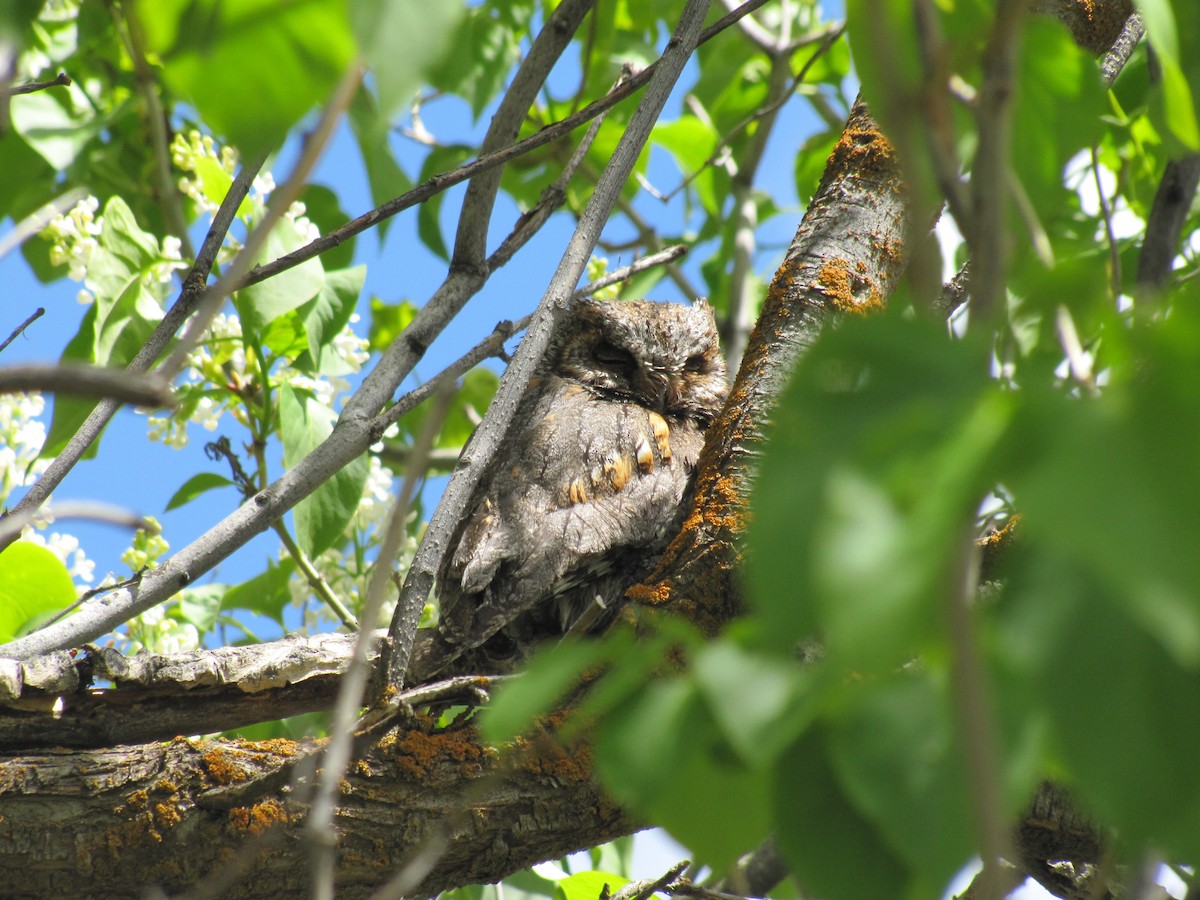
987 234
222 449
1114 251
976 725
37 314
82 380
30 87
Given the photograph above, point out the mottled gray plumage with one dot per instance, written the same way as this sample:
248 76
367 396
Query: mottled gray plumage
587 485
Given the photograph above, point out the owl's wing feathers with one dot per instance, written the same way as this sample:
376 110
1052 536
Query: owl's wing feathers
584 478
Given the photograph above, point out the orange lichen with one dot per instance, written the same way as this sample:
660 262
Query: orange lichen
223 768
846 290
860 152
416 751
167 815
259 817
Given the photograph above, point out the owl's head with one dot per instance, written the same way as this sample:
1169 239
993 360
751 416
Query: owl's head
663 356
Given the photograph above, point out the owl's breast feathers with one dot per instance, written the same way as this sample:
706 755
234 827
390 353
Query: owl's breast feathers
583 487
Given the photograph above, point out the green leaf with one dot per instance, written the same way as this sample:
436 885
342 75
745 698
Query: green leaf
755 699
266 594
388 320
329 312
654 752
33 583
401 40
479 75
259 304
57 123
195 486
588 885
895 750
881 448
323 516
824 839
1058 111
292 53
70 412
200 605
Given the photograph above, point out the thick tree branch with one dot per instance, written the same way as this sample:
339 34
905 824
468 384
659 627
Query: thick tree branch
846 257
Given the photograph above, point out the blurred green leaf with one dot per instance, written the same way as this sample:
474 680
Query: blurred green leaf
754 699
401 40
291 54
388 320
479 75
825 841
33 583
880 449
266 594
659 755
200 605
895 750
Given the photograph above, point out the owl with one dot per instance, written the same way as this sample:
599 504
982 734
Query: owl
588 484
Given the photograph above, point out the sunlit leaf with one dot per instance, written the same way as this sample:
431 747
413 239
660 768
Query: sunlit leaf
33 583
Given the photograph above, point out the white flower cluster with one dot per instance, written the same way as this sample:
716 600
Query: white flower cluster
194 153
157 632
22 434
73 238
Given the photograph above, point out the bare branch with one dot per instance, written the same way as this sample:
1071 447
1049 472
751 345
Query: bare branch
82 380
62 79
1172 202
12 526
987 231
37 314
